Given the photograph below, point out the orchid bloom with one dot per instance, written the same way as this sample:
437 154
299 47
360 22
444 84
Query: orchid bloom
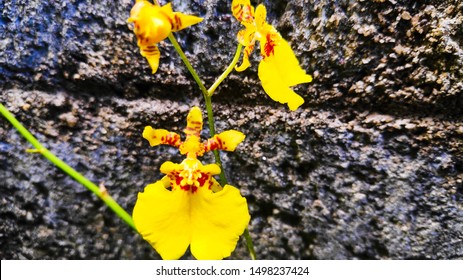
188 207
152 24
279 68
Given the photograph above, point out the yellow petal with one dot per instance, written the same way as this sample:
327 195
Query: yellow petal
151 24
194 122
161 136
284 60
217 221
227 141
279 71
192 147
275 87
181 21
210 169
246 53
243 11
244 65
162 217
152 54
246 37
261 17
170 167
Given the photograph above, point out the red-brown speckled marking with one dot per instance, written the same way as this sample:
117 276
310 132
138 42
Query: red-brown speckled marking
195 125
215 143
202 180
172 139
175 23
269 47
243 13
151 50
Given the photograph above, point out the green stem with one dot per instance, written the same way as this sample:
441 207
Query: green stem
210 116
100 192
207 99
188 64
249 244
227 71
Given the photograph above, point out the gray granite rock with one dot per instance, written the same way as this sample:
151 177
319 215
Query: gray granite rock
370 167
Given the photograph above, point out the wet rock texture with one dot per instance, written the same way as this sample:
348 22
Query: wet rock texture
370 167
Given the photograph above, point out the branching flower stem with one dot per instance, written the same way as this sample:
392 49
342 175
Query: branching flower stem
227 71
98 191
207 94
207 99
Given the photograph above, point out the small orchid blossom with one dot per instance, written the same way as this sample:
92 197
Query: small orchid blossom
188 207
153 23
279 68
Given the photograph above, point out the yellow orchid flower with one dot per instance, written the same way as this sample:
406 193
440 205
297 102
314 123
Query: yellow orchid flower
279 68
153 23
188 207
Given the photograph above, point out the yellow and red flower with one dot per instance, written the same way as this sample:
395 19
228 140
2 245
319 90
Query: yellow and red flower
188 207
279 68
153 23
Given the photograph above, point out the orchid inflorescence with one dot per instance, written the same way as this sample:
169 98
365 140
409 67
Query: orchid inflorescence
188 207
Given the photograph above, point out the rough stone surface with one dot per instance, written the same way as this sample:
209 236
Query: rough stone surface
370 167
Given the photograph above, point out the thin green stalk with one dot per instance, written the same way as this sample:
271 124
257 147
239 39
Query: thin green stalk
227 71
249 244
187 64
207 99
210 116
100 192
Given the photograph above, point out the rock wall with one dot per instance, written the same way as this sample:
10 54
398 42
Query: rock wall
370 167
